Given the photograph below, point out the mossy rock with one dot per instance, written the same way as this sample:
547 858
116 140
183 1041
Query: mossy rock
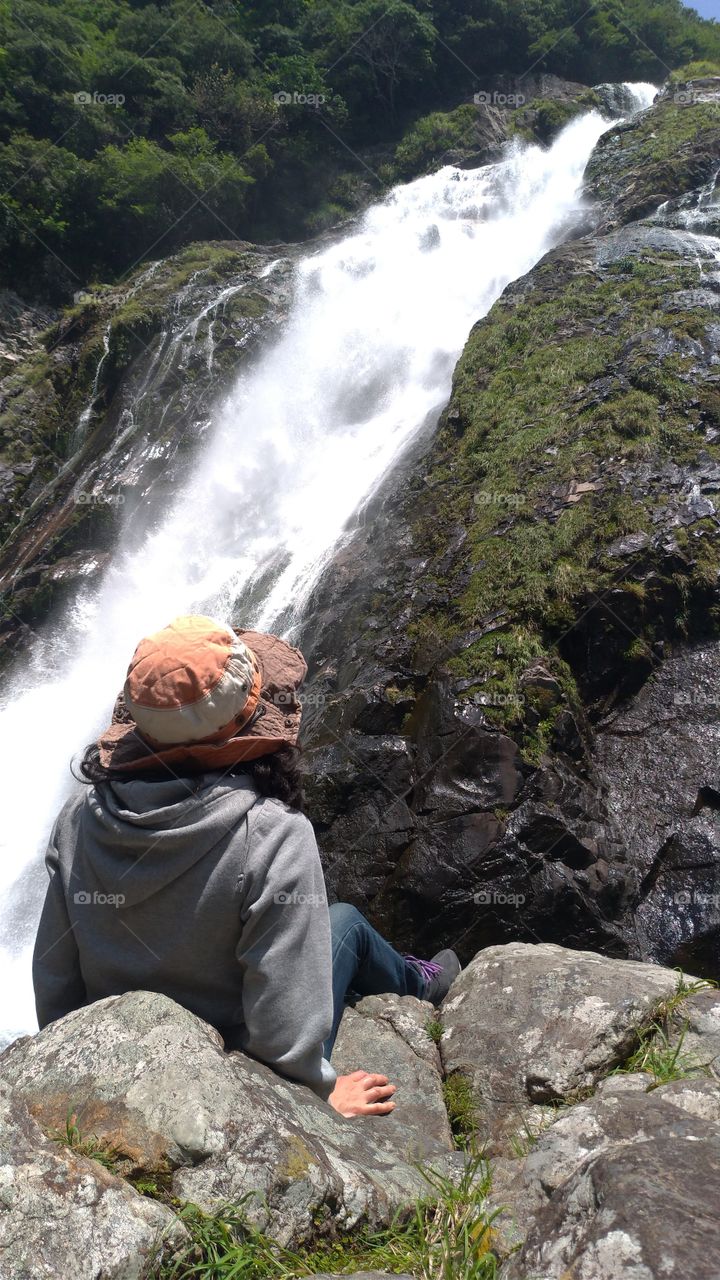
426 143
660 154
574 402
544 118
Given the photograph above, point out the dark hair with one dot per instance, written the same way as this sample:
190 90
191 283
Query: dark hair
278 774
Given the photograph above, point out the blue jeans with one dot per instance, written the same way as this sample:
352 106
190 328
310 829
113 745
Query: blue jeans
363 962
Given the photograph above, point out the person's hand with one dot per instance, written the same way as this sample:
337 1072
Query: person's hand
362 1094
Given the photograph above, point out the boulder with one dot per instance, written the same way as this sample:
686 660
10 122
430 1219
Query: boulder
535 1026
388 1034
62 1214
154 1082
625 1184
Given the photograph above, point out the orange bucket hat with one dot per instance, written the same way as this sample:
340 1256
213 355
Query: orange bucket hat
203 693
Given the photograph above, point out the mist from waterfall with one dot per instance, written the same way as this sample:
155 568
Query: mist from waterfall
302 441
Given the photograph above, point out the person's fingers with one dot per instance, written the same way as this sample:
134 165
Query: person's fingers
379 1092
358 1075
378 1108
372 1079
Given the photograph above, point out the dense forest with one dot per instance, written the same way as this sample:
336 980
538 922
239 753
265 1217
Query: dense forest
128 128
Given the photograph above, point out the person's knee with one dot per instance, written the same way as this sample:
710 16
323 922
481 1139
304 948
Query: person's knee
343 917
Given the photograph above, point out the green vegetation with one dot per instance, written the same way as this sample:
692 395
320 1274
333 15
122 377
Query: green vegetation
130 127
694 71
659 1050
430 137
434 1028
663 1058
90 1146
525 1139
561 388
448 1235
544 117
461 1109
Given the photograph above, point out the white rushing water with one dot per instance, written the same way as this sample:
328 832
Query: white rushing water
363 364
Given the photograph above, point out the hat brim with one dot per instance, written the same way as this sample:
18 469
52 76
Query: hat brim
122 746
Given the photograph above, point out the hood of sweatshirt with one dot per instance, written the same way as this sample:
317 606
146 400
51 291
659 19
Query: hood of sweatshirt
138 836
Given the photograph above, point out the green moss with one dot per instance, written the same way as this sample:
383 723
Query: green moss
461 1109
424 145
298 1159
694 71
525 431
666 151
543 118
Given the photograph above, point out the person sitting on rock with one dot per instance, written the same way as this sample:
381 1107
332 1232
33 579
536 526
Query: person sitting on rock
188 867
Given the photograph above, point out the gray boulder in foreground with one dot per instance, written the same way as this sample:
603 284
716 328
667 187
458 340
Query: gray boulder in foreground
625 1185
63 1215
388 1034
596 1175
154 1082
532 1026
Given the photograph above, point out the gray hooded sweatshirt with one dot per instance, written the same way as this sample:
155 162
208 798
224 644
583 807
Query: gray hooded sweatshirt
200 889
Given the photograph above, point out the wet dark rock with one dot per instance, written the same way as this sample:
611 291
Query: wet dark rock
615 99
514 786
116 396
659 155
657 761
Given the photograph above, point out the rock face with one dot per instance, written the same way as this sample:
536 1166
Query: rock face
669 815
65 1215
114 397
593 1173
535 1026
389 1034
153 1084
673 149
508 742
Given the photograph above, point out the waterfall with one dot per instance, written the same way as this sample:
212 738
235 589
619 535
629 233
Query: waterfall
302 441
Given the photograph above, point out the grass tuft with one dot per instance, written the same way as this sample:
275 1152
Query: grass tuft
462 1110
448 1235
434 1029
90 1146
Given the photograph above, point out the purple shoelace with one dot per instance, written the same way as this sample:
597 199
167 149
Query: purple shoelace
427 968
